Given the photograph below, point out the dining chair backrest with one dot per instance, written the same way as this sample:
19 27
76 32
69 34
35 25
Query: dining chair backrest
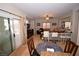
54 34
30 44
65 35
46 34
71 47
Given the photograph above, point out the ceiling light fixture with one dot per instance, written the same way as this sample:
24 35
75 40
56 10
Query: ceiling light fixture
47 17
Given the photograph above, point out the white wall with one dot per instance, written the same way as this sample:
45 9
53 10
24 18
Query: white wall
32 24
41 21
77 54
78 30
74 26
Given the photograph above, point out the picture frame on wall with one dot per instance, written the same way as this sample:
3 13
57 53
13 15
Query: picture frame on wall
38 24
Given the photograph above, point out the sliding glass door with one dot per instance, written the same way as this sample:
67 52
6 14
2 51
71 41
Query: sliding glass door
5 37
15 30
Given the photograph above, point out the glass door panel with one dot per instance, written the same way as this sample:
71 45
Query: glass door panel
12 34
16 35
16 30
5 37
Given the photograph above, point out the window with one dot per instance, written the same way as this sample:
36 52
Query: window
46 25
68 25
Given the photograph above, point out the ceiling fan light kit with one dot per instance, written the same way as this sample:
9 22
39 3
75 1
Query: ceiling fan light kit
47 17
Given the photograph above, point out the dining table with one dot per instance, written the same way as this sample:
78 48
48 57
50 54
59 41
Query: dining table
57 50
46 53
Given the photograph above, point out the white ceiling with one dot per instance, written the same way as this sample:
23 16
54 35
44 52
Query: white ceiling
41 9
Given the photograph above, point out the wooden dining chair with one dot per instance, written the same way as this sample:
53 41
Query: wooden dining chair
71 47
31 47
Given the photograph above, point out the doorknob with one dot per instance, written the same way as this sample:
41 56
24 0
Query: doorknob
14 34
